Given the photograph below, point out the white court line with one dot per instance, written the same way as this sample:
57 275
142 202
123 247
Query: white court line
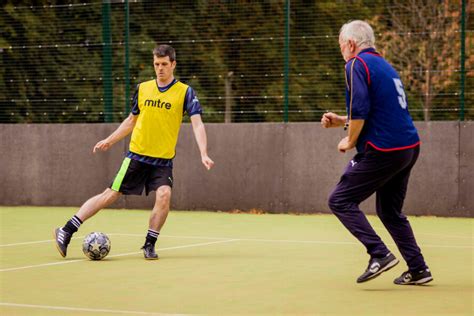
434 235
294 241
114 256
260 239
298 241
253 239
446 236
92 310
35 242
111 234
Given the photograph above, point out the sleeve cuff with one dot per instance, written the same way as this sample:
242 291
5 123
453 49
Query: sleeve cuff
194 113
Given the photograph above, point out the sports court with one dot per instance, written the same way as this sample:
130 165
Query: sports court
225 264
258 234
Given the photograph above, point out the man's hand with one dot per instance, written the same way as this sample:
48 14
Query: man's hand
125 128
344 145
103 145
207 162
331 119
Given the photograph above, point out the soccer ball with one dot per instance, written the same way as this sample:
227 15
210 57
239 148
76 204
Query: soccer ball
96 246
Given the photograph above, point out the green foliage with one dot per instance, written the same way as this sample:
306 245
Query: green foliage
51 58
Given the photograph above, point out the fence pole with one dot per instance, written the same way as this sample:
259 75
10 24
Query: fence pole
228 98
463 60
287 60
127 58
107 61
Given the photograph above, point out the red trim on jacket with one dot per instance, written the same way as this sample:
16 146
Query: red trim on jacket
392 149
366 68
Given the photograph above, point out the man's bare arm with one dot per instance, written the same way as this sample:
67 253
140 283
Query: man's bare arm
125 128
201 139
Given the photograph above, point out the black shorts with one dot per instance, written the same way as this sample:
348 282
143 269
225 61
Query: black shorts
134 175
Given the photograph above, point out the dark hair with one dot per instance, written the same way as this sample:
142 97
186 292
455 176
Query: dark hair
165 50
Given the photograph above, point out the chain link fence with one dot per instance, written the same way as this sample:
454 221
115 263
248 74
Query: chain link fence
249 61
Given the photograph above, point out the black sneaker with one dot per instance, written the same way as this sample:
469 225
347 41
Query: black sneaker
414 278
62 240
377 266
149 251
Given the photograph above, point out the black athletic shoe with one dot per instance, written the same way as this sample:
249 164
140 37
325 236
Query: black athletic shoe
414 278
149 251
377 266
62 240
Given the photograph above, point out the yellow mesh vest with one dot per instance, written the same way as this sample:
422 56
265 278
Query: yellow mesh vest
161 113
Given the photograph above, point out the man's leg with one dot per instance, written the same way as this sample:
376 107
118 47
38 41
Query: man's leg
161 208
363 176
96 203
390 198
88 209
157 220
389 206
360 180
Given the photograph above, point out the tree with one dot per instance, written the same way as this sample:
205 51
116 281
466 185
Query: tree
421 39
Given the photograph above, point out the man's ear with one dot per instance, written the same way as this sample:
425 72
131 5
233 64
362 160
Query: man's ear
352 46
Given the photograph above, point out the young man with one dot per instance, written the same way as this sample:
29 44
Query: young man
157 111
380 127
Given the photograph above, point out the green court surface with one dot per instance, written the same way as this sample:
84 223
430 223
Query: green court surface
225 264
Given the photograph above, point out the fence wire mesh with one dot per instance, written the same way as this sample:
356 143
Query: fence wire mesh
79 61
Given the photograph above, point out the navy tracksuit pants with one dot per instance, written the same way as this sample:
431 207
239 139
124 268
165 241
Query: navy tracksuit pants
386 174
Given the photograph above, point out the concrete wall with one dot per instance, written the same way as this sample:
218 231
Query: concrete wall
271 166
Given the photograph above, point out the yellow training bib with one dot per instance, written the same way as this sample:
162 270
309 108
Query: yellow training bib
161 113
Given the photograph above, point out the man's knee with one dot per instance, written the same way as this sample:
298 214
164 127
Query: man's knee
110 195
390 215
163 194
334 203
338 205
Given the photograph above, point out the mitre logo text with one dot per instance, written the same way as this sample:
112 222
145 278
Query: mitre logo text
158 104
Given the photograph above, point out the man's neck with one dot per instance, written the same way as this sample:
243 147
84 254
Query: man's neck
163 84
360 49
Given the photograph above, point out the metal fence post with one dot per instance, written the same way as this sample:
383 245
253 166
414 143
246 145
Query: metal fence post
287 60
127 58
107 61
463 60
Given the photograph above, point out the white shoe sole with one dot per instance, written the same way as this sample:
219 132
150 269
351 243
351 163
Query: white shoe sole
390 265
418 282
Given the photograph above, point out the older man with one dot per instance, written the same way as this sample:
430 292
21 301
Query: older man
380 127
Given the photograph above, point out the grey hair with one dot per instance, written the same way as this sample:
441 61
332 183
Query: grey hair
358 31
